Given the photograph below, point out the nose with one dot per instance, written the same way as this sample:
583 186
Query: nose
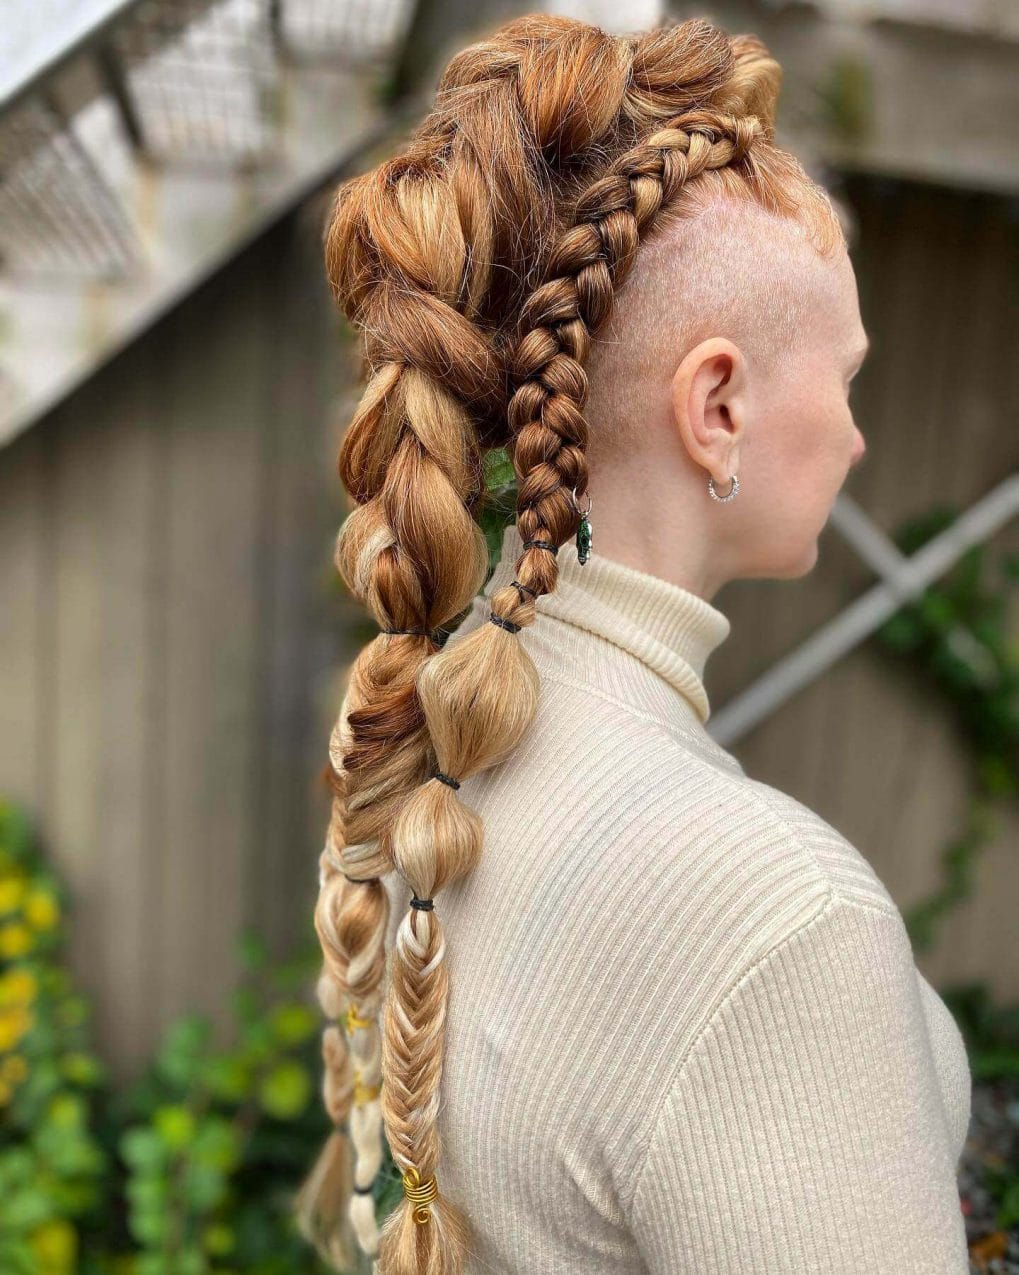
859 447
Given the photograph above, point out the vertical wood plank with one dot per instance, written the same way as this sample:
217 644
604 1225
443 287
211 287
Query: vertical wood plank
23 644
297 528
80 444
215 392
131 670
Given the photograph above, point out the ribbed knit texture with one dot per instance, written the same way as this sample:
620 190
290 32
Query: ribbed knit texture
686 1033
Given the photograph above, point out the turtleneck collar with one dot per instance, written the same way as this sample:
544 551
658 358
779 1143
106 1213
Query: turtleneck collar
668 629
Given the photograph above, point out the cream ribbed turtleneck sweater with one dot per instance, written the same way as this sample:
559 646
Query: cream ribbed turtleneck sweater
685 1031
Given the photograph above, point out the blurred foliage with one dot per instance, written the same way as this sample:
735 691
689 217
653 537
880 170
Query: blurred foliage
991 1034
191 1169
52 1162
845 100
991 1031
955 639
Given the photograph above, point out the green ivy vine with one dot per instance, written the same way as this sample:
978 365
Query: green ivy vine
955 639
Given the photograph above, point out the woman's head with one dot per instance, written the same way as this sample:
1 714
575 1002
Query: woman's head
479 264
730 349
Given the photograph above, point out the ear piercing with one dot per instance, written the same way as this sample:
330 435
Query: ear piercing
723 499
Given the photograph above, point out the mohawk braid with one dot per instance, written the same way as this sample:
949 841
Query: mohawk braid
589 262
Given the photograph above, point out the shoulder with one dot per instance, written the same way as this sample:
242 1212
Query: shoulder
847 872
704 868
670 793
612 788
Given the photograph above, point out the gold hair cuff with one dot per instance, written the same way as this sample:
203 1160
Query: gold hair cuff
364 1093
420 1194
354 1021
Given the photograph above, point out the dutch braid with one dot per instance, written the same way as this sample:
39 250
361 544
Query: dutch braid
479 263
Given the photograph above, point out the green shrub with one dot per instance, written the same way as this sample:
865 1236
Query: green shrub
189 1170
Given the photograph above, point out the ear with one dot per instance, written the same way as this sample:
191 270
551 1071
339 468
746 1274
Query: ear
708 394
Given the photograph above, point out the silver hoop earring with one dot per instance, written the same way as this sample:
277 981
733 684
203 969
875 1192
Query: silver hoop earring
723 499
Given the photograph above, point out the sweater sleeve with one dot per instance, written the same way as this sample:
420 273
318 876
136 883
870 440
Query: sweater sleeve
804 1130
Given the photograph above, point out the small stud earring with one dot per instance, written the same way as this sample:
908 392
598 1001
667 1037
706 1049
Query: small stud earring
584 530
723 499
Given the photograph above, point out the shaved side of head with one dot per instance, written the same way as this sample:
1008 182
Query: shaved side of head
732 270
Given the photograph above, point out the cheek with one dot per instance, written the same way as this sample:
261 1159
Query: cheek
803 464
814 447
797 446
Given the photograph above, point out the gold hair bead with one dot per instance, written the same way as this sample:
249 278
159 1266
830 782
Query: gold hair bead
364 1093
420 1194
354 1020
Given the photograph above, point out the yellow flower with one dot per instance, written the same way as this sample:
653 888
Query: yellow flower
12 891
41 910
18 987
14 1022
15 939
56 1247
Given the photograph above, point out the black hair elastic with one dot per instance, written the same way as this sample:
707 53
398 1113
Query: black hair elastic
525 587
508 625
447 779
423 905
542 544
435 634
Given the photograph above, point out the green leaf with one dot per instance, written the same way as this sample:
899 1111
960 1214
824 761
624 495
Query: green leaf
148 1192
218 1239
498 469
217 1144
153 1264
902 631
285 1090
143 1148
1008 1214
183 1047
67 1112
204 1187
252 951
17 1257
247 1004
148 1225
228 1077
293 1024
175 1124
189 1261
25 1209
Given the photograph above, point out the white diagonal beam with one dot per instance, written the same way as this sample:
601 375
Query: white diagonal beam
873 544
903 580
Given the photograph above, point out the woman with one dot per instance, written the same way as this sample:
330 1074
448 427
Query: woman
642 1012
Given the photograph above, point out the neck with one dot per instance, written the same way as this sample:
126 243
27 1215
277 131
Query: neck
665 631
669 546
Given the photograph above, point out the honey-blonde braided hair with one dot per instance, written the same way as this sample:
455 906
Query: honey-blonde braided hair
478 263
